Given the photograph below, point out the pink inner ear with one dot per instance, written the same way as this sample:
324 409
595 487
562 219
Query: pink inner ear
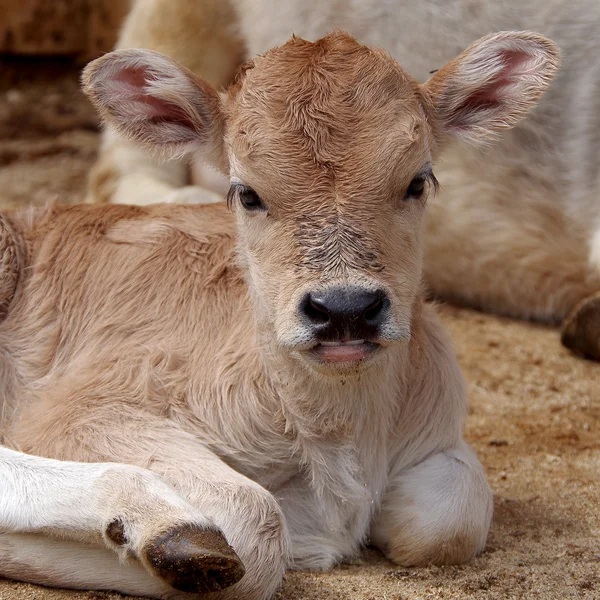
132 82
491 95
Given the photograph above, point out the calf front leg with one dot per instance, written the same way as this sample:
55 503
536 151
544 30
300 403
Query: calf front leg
131 510
438 511
247 515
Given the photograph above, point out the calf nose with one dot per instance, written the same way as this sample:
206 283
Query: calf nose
354 313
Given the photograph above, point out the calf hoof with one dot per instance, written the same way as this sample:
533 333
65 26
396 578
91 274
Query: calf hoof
581 329
191 559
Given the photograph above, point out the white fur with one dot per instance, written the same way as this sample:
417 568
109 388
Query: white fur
77 501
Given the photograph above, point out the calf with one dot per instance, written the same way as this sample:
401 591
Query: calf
220 397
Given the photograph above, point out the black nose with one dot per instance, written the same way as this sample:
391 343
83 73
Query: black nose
345 312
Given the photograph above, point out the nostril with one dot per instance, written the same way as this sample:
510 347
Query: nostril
372 314
314 310
373 310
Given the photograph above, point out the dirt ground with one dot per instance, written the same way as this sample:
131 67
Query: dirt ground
535 408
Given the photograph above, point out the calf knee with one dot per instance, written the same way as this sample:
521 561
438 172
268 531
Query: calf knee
425 541
438 512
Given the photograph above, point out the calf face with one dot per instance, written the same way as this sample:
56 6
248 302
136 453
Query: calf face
329 147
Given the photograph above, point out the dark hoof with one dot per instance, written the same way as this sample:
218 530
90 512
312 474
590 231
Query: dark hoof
191 559
581 329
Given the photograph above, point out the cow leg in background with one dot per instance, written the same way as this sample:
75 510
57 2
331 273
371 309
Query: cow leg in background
581 329
199 34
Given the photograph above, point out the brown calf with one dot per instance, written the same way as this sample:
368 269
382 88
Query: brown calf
259 390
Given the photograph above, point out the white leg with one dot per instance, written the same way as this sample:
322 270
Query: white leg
192 194
247 515
126 509
125 174
60 563
438 511
41 494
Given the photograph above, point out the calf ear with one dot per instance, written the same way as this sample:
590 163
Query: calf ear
492 84
153 101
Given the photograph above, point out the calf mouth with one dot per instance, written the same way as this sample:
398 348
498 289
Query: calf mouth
344 354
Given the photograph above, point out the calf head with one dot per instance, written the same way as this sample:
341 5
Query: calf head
329 147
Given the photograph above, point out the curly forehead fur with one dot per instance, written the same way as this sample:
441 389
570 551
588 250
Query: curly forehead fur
320 96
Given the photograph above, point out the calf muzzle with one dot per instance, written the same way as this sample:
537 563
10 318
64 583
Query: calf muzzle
345 313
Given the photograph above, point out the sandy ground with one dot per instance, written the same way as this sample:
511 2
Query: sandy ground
535 409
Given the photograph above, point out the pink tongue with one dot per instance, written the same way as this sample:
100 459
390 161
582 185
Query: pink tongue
342 353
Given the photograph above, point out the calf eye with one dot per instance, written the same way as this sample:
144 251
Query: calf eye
248 198
416 188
